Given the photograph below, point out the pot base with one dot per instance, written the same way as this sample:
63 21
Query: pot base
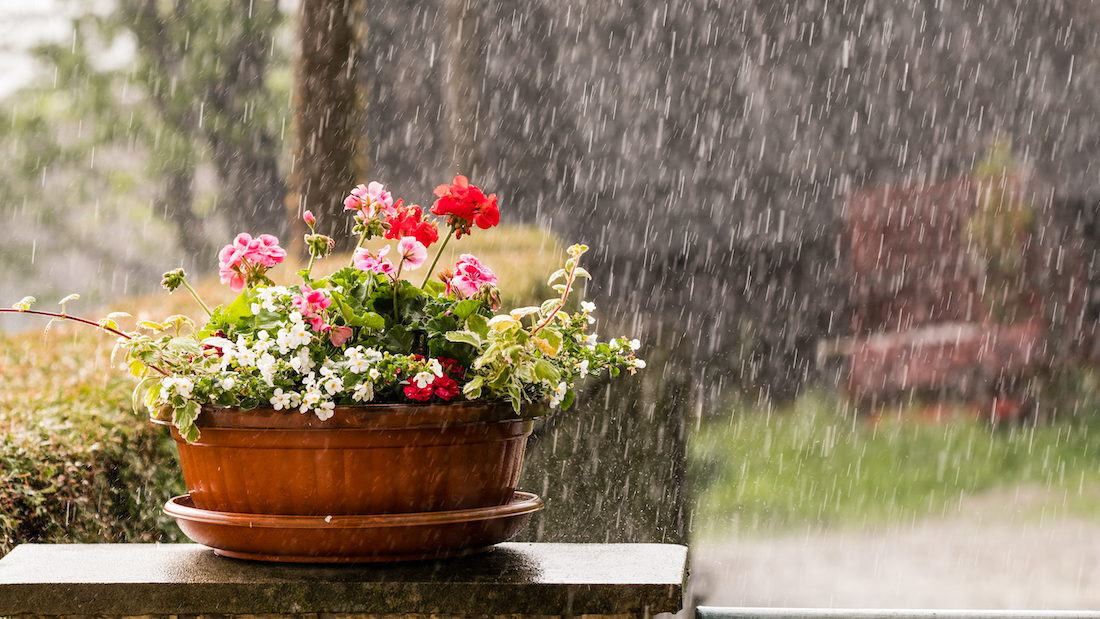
353 539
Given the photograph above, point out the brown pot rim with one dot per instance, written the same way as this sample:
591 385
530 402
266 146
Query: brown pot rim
369 416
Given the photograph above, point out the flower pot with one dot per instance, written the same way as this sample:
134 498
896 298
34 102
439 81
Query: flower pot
365 460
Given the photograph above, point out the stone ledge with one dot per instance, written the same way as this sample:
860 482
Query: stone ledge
129 580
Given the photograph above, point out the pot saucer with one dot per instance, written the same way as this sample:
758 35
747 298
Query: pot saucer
353 539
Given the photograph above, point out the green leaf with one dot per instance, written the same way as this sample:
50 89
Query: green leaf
184 420
567 401
184 344
472 390
545 371
466 337
367 319
464 309
151 394
550 306
398 340
478 324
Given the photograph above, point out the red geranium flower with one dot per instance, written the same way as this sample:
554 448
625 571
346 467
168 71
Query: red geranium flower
409 221
452 367
465 205
420 394
445 388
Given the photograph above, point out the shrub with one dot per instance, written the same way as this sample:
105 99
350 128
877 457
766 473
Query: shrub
74 467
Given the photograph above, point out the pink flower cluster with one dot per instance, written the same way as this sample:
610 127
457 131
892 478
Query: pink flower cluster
246 259
312 303
412 252
369 199
470 276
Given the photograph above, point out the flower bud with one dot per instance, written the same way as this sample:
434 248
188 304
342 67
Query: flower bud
173 280
319 245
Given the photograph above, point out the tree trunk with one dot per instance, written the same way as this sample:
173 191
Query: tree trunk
462 85
328 162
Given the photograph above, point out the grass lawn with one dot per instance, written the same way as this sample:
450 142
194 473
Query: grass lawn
816 463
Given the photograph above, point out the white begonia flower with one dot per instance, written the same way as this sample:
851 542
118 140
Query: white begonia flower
358 364
435 367
639 364
181 386
588 306
372 355
302 363
311 398
281 400
635 344
590 341
423 379
325 410
244 356
282 340
267 298
298 335
263 342
582 368
557 395
227 383
332 384
364 392
167 386
266 365
374 373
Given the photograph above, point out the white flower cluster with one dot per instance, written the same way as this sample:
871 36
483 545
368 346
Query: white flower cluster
266 365
177 386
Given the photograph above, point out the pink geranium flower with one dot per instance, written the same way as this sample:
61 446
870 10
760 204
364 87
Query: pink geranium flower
312 303
339 335
364 260
369 199
265 250
246 259
413 253
470 276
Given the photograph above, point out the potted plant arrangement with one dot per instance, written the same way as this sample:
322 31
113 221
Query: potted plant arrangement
358 416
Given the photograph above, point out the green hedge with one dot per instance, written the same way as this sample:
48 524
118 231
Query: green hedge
76 463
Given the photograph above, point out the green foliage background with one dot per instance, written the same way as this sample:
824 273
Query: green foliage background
818 462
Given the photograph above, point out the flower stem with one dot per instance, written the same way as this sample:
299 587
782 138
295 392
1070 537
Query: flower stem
196 296
439 253
358 244
57 316
565 294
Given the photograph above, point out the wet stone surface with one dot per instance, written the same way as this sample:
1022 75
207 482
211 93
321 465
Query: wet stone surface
188 579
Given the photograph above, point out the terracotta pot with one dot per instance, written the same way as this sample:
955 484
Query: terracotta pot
371 459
